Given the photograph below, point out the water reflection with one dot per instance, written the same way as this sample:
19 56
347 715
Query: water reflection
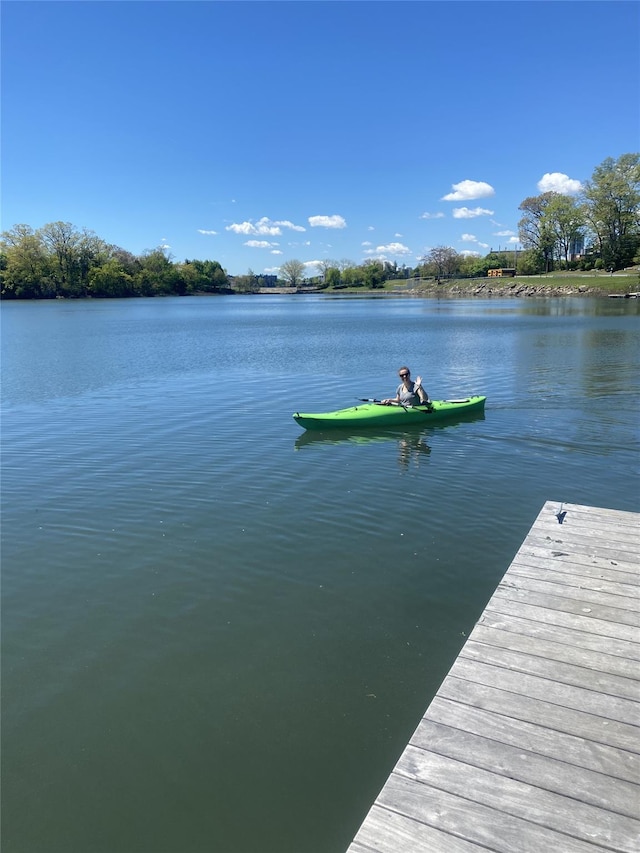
412 450
371 436
345 437
550 306
412 445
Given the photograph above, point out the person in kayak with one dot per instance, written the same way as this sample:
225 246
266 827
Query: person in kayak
408 393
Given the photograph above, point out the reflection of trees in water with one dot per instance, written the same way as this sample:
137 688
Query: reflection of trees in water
599 360
609 359
412 449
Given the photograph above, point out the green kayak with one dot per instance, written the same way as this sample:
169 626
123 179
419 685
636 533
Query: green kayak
377 415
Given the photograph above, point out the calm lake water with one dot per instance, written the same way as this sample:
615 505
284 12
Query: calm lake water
218 634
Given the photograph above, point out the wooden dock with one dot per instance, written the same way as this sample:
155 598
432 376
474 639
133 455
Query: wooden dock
532 743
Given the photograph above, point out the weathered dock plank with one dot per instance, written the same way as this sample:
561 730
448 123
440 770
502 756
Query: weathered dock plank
533 740
585 622
612 761
607 567
561 651
617 585
565 604
569 636
549 690
517 706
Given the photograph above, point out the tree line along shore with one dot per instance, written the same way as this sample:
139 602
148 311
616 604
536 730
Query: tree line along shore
570 245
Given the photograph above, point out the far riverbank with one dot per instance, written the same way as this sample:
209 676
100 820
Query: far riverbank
619 285
622 284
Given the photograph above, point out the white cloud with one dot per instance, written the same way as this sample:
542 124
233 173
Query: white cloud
469 213
397 235
371 228
506 233
263 227
469 253
471 238
558 182
276 252
309 264
260 244
367 243
334 221
202 231
467 190
390 248
513 240
397 249
286 224
432 215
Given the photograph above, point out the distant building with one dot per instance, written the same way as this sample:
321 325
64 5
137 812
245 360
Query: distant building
576 249
502 272
267 280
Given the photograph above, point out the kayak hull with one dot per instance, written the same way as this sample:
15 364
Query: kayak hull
377 415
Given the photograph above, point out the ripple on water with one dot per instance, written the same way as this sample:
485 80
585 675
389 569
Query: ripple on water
193 586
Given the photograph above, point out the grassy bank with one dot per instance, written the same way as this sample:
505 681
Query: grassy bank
552 284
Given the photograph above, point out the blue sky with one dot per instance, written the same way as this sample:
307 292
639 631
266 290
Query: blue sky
256 132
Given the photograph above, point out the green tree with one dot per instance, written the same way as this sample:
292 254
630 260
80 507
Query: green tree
324 266
91 252
157 276
215 278
351 277
534 228
292 272
129 262
73 253
62 260
110 280
188 278
26 272
373 274
530 262
333 277
565 220
612 203
472 266
60 239
204 276
496 261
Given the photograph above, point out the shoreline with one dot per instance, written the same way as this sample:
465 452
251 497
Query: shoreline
520 289
619 285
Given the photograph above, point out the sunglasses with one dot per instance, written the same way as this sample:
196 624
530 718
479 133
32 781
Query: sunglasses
402 375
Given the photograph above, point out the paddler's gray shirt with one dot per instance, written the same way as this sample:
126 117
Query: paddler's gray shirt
409 398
